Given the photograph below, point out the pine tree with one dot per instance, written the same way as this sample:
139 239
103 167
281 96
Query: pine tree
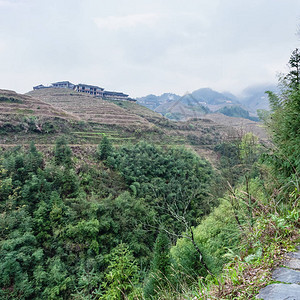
104 148
62 152
293 77
160 269
284 121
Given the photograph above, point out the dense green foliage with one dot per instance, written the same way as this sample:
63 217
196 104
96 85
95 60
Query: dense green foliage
258 218
9 99
64 222
159 274
142 221
104 148
175 182
284 121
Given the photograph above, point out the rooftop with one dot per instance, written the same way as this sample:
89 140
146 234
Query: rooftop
90 86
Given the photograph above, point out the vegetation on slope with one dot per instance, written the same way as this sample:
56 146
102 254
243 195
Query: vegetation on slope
63 220
258 219
142 221
236 111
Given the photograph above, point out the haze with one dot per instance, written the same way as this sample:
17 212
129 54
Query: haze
141 47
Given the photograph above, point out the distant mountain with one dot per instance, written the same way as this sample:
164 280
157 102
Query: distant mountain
206 100
254 97
183 108
211 97
151 101
236 111
193 105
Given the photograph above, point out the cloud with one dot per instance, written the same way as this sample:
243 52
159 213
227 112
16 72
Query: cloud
146 46
11 3
123 22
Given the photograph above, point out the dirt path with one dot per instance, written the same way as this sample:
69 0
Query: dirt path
288 278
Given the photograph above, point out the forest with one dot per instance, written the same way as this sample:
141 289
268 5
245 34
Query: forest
142 221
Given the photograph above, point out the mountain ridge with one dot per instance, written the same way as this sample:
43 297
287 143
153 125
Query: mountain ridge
208 100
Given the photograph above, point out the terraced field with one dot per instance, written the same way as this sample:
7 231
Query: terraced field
23 116
18 104
89 108
240 124
42 115
139 110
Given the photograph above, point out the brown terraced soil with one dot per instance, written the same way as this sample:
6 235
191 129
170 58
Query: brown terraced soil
89 108
42 115
17 104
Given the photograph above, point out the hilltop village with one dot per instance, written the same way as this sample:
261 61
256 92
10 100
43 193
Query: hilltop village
94 90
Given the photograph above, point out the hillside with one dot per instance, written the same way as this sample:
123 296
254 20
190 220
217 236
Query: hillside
240 124
89 108
23 114
236 111
13 103
43 115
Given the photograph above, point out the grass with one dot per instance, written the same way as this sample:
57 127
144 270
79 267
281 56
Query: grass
93 133
23 111
9 99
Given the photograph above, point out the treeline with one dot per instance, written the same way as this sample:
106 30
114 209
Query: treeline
65 223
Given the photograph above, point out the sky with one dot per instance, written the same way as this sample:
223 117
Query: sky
145 47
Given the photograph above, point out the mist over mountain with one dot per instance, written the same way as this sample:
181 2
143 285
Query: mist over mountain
207 100
254 97
212 97
152 101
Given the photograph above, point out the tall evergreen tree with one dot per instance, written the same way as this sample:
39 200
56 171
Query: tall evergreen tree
104 148
62 152
161 266
284 121
293 77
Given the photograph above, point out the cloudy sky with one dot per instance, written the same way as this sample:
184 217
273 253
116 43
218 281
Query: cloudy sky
146 46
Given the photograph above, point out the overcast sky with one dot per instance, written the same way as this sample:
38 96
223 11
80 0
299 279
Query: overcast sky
146 46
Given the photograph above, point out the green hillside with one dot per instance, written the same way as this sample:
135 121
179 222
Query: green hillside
236 111
110 200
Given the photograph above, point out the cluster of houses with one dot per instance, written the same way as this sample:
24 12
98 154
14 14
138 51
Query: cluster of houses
88 89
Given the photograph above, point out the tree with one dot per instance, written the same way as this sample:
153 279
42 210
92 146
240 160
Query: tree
62 152
161 265
34 158
121 276
293 77
104 148
284 122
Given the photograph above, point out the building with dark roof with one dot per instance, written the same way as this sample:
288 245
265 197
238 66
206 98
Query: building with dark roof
39 87
63 84
89 89
114 95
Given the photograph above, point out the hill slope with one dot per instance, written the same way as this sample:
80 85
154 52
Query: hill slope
43 115
89 108
21 114
13 103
